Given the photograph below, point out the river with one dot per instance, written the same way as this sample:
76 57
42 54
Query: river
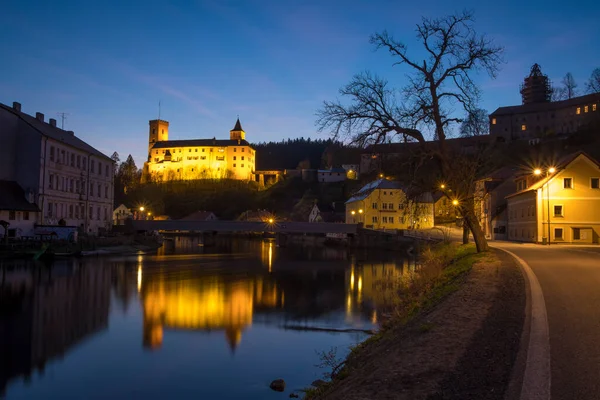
187 321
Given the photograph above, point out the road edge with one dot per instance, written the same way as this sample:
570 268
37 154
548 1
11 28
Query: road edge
537 375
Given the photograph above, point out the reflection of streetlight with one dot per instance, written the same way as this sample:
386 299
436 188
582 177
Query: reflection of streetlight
549 171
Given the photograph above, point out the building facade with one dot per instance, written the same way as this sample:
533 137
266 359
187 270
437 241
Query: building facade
490 202
384 204
563 207
70 181
17 212
198 158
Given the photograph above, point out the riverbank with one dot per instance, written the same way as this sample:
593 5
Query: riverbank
454 335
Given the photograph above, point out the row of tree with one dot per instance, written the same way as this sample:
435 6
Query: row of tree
569 88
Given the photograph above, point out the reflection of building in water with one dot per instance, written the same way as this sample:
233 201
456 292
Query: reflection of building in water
46 314
203 303
375 285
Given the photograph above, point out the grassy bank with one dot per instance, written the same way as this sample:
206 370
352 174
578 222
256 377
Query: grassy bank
444 268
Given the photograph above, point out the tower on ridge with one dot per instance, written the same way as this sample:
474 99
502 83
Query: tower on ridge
237 133
158 132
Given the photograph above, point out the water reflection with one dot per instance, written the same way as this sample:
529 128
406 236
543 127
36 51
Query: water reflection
46 311
225 294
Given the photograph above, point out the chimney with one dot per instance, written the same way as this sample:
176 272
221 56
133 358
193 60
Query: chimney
71 133
16 106
52 122
39 116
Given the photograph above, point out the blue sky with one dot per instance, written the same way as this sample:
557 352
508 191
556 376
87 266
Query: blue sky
272 62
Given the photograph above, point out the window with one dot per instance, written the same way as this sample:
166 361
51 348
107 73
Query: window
105 214
195 150
99 190
106 171
12 215
242 165
586 109
234 158
233 165
51 153
91 216
493 121
374 219
99 168
71 211
211 150
568 183
595 183
558 233
384 220
243 149
242 158
523 127
26 215
578 110
558 211
374 206
391 220
576 234
51 181
50 209
72 160
84 163
391 206
235 150
92 165
71 186
203 150
98 213
77 212
593 107
78 161
106 191
384 206
91 190
203 157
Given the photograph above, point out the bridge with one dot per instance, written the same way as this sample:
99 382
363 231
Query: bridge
245 226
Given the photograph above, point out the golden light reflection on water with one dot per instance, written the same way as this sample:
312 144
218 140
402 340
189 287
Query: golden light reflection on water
204 303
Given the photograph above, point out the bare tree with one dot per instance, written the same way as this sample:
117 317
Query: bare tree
569 85
559 93
476 123
436 85
593 84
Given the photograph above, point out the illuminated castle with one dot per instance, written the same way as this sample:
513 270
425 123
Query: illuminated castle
197 158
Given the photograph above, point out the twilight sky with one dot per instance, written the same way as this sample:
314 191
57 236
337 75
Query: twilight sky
108 63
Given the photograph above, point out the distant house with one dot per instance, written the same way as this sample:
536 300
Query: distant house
256 216
560 205
120 214
490 204
322 212
17 212
331 175
443 209
201 216
384 204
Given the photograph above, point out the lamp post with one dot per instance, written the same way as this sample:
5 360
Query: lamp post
549 171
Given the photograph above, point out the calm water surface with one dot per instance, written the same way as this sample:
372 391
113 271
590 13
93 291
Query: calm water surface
186 322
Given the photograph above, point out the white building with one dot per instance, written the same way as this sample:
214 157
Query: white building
331 175
16 211
120 214
69 179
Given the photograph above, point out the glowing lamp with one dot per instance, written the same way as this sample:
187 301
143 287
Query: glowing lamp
552 170
537 171
455 202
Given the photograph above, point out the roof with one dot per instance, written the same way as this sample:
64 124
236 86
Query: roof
198 216
561 165
67 137
238 126
167 144
12 198
332 170
366 190
552 106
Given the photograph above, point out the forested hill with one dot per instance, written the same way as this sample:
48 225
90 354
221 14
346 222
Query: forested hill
288 154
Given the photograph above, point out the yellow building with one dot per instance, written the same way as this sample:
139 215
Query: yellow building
384 204
563 203
198 158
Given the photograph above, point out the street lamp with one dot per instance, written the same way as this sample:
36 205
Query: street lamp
454 202
270 220
442 186
549 171
142 209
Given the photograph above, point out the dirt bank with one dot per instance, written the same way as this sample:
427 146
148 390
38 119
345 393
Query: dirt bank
462 348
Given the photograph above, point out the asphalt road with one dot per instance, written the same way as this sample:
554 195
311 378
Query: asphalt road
570 280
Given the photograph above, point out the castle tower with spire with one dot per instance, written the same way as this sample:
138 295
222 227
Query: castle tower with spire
237 133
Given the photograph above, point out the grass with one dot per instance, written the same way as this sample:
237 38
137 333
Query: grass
444 268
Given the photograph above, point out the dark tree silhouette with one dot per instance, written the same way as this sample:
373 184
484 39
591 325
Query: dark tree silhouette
476 123
377 113
593 84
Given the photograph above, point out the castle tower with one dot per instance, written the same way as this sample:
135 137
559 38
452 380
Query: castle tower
159 132
536 87
237 133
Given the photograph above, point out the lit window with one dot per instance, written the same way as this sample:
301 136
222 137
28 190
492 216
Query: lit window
558 233
568 183
233 165
586 109
595 183
593 107
558 211
493 121
578 110
374 205
523 127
